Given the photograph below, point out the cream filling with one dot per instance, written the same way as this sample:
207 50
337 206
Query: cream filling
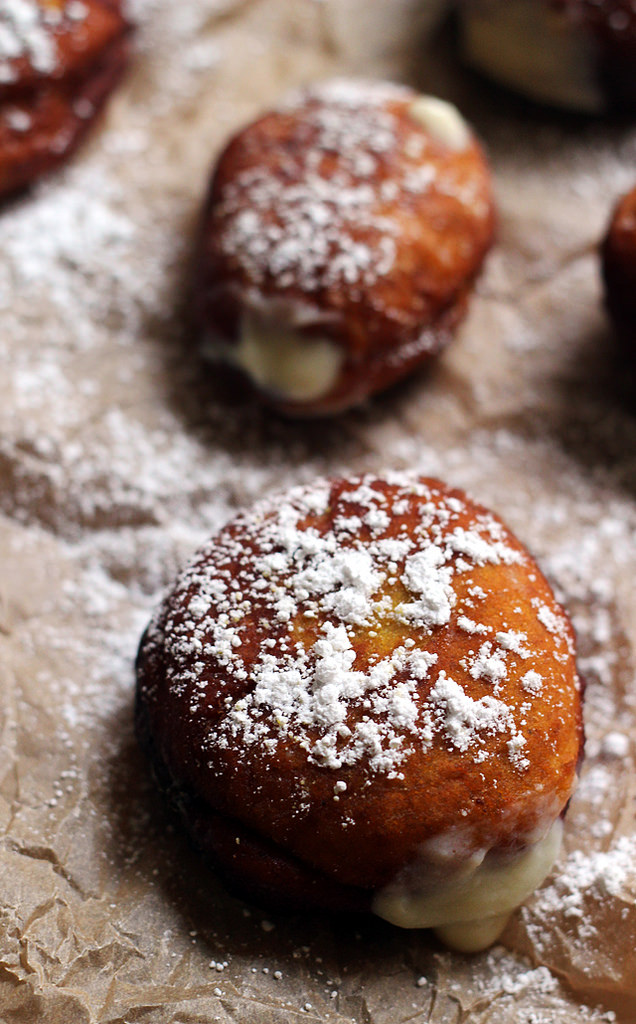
528 47
468 907
281 360
442 121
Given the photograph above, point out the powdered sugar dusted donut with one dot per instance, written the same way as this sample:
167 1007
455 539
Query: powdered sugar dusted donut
363 695
339 242
619 270
59 60
575 54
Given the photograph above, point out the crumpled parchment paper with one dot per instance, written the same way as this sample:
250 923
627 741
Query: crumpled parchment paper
119 454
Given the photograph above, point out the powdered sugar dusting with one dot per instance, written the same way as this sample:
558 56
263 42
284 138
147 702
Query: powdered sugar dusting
108 486
323 583
465 719
426 576
325 222
23 33
513 989
589 887
27 31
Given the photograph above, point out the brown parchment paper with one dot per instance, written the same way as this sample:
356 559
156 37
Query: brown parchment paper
119 454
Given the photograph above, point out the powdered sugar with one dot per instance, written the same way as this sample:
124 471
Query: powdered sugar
532 681
488 664
586 880
100 413
466 720
316 586
514 990
25 32
426 575
304 703
313 241
483 550
324 219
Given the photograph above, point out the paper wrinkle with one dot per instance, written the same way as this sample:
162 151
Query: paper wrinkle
48 856
120 453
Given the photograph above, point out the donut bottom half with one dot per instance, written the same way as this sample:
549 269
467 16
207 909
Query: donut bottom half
307 375
466 899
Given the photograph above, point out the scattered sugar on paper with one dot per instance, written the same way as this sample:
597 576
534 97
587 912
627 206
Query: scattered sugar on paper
100 260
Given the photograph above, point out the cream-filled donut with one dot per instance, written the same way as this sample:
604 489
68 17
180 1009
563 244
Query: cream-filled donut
59 61
339 242
579 55
362 695
618 256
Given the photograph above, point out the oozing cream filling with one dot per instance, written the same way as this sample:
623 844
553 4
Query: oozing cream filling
280 359
469 907
528 47
442 121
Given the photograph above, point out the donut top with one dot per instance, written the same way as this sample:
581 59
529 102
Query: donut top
27 32
310 202
363 622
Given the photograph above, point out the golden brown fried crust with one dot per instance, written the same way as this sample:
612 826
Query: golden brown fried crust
495 787
251 866
388 284
618 255
45 114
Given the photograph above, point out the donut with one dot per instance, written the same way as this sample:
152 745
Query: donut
618 258
339 242
59 60
362 696
579 55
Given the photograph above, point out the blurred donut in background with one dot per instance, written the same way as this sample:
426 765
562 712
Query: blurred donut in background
579 55
340 241
618 257
59 61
